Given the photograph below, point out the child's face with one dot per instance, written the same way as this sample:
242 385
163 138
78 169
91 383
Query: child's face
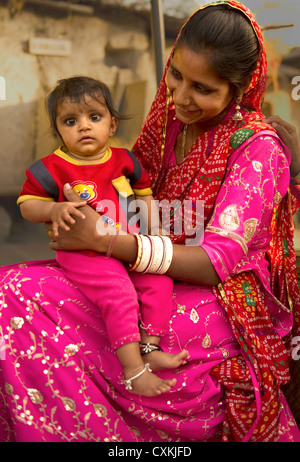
85 127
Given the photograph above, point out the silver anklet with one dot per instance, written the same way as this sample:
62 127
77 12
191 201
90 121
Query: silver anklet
127 382
149 347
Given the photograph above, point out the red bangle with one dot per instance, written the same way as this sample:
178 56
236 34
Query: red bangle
112 243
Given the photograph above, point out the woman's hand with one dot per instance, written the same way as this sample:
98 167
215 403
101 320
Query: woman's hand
288 134
87 234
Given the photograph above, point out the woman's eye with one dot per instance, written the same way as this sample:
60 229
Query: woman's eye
201 90
70 122
176 74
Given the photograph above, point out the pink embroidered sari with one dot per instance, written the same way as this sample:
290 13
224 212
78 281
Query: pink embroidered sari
60 379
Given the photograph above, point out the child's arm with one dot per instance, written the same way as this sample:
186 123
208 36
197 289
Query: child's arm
59 213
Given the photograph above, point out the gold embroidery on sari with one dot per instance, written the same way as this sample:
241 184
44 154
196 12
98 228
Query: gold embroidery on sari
224 352
229 218
100 410
9 388
206 342
180 308
69 403
235 237
71 349
277 197
194 316
16 322
257 166
221 261
35 396
250 228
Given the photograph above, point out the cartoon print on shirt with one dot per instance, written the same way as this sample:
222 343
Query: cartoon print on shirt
85 191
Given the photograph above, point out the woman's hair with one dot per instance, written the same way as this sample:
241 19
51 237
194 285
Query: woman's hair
228 39
76 89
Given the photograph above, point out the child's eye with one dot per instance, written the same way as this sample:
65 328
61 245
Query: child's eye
70 122
95 117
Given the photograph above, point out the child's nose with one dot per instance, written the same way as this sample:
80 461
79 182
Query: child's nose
84 123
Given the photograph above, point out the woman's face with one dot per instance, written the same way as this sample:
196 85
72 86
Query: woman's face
199 95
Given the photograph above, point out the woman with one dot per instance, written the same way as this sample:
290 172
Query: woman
203 140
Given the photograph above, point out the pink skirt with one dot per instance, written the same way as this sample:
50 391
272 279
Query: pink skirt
61 381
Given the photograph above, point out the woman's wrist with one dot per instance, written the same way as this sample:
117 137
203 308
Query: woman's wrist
123 247
154 254
100 243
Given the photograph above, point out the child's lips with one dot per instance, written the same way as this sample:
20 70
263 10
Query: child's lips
86 139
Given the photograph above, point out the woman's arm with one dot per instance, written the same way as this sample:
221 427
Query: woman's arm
190 263
242 211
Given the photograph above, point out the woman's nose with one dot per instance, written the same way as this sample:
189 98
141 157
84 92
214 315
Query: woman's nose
181 95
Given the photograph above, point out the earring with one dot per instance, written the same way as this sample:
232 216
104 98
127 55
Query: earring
237 115
169 96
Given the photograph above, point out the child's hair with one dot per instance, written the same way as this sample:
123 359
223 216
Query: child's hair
76 89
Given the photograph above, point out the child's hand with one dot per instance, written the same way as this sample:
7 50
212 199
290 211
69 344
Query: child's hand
61 215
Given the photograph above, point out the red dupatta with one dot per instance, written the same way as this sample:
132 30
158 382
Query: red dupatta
200 175
251 381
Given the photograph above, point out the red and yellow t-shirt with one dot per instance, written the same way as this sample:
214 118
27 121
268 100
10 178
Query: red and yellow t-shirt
108 185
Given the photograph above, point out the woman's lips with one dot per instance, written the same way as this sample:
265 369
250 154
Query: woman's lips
185 111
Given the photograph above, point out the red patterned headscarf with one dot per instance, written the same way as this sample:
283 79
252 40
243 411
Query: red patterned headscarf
251 381
204 167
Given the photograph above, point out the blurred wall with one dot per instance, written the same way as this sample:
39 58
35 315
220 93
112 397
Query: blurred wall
117 52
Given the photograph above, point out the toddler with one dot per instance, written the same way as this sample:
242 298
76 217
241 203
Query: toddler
82 113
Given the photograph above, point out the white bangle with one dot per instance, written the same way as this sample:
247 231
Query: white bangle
133 266
157 254
154 254
167 256
146 254
162 255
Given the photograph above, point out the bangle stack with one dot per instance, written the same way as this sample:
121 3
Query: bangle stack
154 254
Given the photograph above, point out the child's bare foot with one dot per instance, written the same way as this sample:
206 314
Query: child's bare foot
142 382
158 360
